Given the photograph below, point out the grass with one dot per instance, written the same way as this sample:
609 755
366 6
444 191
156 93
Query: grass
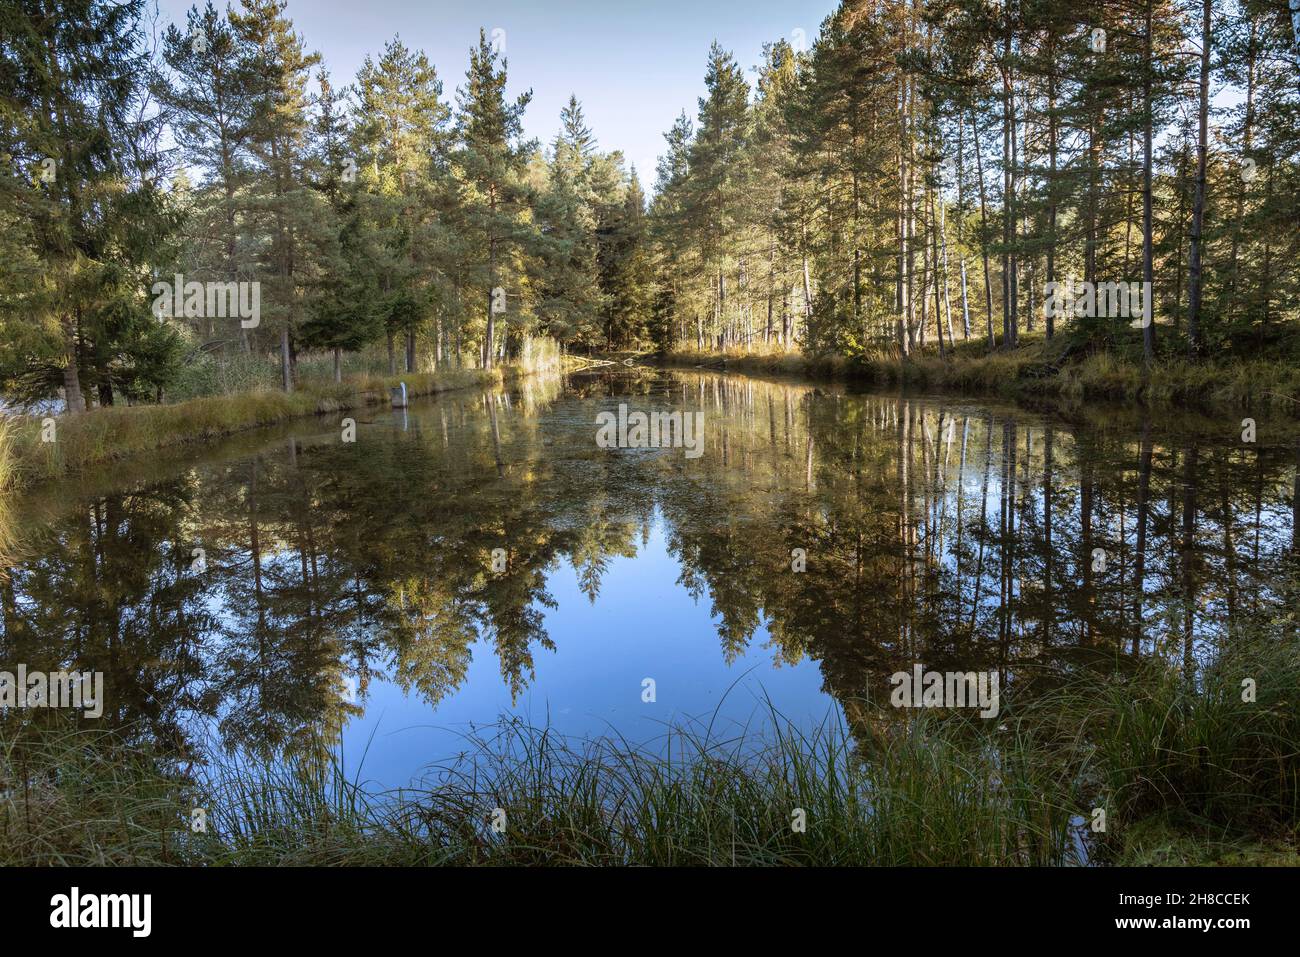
597 803
1166 745
1042 369
1187 771
8 463
107 434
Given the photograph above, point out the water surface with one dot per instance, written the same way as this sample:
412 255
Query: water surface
348 590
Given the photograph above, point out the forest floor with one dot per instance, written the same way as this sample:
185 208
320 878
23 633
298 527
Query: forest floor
1039 369
34 450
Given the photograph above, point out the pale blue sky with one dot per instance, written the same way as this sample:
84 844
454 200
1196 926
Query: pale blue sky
633 65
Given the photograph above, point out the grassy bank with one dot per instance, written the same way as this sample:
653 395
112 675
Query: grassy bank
1039 369
246 399
1186 771
106 434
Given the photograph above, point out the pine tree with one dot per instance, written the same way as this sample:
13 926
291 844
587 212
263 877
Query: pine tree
491 163
715 181
629 270
670 240
285 210
343 307
403 138
570 302
83 197
210 91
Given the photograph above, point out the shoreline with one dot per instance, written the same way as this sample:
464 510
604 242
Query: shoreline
105 435
1216 785
1029 377
1034 373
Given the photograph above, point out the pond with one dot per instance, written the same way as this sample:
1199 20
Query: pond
482 554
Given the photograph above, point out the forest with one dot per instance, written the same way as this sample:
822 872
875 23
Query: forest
307 380
916 177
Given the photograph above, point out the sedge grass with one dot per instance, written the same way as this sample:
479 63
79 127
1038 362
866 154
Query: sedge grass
1186 769
110 433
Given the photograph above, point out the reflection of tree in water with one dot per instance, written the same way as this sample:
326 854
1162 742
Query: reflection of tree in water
107 590
964 540
958 538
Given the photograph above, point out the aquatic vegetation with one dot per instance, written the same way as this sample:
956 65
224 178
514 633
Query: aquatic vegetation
926 789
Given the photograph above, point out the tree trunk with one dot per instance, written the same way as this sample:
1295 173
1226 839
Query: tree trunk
807 282
71 372
1050 319
943 240
1010 295
286 374
492 279
1247 138
1196 251
934 255
984 226
961 222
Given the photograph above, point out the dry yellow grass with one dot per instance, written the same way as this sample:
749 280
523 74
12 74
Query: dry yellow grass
106 434
1041 369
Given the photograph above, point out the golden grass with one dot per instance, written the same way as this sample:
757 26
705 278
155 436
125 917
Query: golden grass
770 361
107 434
8 465
1039 369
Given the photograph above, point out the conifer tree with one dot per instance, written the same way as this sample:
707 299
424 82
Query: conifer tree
491 161
284 210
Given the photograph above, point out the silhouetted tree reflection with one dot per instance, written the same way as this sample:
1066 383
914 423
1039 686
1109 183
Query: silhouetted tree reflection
953 535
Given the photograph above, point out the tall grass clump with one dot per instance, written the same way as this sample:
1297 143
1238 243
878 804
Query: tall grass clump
1193 748
205 375
77 797
1037 369
1177 760
924 796
760 359
8 458
539 354
8 478
797 797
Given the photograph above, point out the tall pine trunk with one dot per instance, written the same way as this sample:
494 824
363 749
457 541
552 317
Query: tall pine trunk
984 226
1194 263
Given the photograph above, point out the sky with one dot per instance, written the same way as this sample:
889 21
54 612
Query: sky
644 623
633 65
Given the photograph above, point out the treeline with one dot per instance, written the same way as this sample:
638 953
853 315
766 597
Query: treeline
925 174
158 171
922 174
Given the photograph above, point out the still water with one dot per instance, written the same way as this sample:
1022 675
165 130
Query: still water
480 555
